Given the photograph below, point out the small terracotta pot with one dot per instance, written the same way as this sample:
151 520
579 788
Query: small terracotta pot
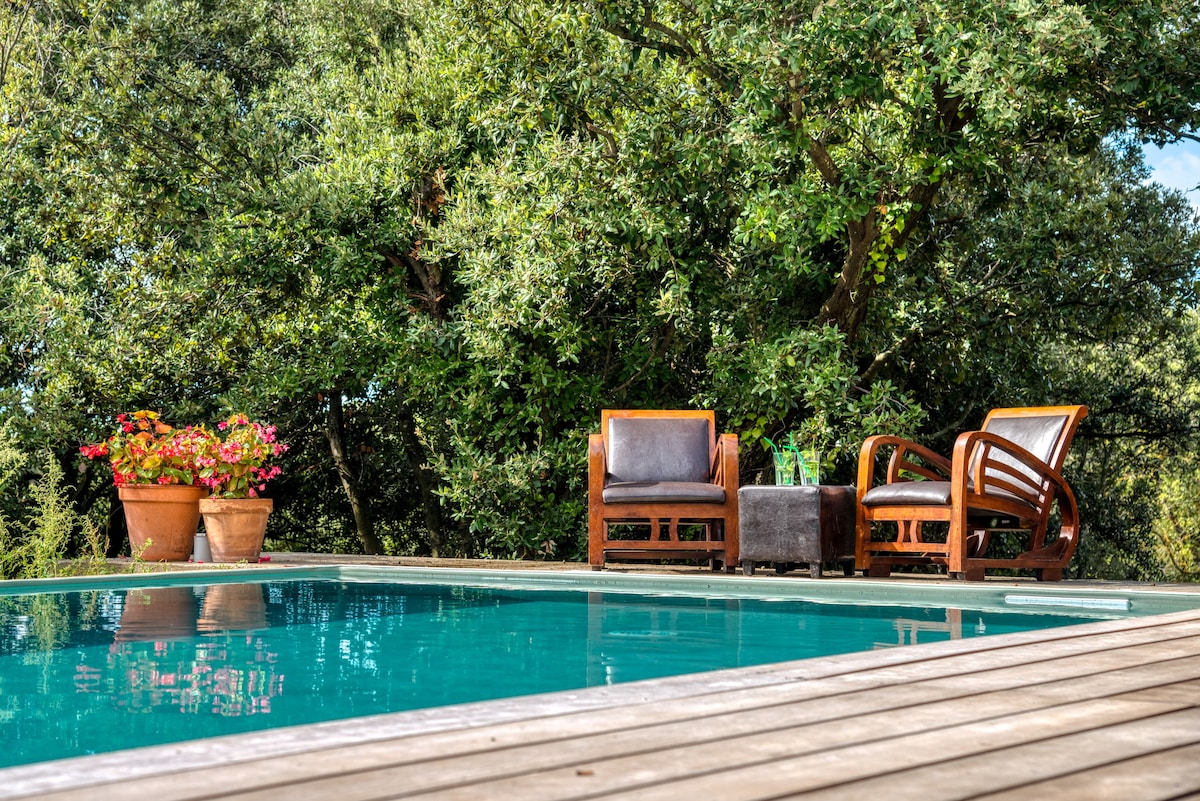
165 514
235 527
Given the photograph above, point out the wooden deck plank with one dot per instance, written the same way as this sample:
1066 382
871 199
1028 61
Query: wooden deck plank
1159 776
976 661
1055 681
806 758
774 732
1102 749
889 760
782 723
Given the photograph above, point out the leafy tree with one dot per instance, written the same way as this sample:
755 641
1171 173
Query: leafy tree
431 240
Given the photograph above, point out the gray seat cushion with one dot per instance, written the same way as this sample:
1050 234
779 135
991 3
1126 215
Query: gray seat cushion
659 450
918 493
663 492
909 493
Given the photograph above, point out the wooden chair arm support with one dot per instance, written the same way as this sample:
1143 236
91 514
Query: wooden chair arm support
597 465
941 466
1068 508
1063 546
725 462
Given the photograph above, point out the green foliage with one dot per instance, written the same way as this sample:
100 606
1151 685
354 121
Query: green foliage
474 226
12 556
512 508
805 374
33 544
1132 475
1178 523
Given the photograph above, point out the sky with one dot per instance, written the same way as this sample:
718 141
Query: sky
1178 167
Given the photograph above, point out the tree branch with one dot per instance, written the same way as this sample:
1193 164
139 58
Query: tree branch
675 45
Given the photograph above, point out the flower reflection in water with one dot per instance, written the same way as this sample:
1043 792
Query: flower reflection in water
156 662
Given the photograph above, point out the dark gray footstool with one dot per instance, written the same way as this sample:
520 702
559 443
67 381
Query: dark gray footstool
796 525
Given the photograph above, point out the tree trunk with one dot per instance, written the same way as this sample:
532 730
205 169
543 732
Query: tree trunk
335 432
426 483
846 306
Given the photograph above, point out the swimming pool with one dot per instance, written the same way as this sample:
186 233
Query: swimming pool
102 665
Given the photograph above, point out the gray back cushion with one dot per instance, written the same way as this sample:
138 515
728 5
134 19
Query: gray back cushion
1038 435
664 449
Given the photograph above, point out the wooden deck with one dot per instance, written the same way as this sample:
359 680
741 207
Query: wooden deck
1102 711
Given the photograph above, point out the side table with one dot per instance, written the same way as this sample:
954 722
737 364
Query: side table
805 524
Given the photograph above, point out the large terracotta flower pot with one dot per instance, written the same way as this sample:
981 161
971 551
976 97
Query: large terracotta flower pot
235 527
165 514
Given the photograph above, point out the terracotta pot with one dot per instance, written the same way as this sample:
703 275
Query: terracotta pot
235 527
165 514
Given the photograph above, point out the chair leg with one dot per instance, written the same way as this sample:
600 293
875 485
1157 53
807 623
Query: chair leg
1049 574
597 533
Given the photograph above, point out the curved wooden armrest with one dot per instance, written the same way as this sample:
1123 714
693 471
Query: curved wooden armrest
936 467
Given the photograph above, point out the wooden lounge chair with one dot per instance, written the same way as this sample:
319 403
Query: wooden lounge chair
1004 477
650 467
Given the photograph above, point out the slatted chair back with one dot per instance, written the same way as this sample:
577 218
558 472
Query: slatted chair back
1044 432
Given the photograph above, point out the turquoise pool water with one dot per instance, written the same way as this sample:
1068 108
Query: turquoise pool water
102 669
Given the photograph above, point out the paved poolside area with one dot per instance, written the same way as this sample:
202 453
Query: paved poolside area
1098 711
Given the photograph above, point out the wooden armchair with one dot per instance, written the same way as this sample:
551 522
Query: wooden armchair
1004 477
650 467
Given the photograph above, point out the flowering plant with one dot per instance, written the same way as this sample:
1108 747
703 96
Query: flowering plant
236 463
145 450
